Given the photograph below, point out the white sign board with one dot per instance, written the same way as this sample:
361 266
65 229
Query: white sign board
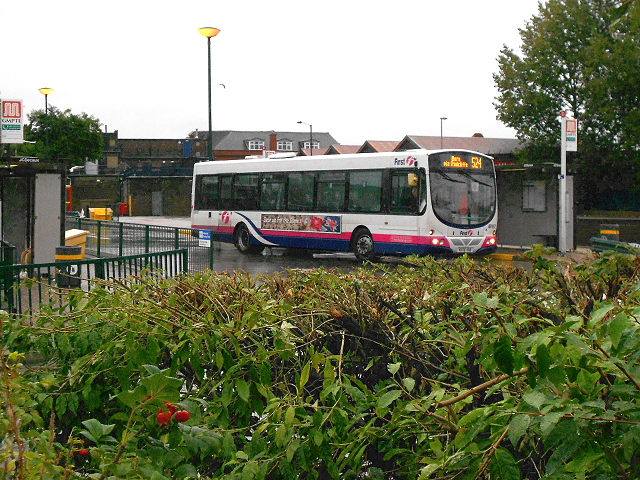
11 121
204 238
571 136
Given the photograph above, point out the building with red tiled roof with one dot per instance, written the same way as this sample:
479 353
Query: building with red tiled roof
337 149
477 143
373 146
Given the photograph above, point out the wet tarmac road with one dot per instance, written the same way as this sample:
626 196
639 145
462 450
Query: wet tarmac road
226 258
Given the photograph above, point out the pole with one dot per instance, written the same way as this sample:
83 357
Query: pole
562 194
310 139
46 127
210 142
442 119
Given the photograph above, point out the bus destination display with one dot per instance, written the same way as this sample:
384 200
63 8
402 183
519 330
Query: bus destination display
457 162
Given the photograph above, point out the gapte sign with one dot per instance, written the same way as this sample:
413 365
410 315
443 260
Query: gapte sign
11 121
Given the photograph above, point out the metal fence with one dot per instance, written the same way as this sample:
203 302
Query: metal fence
27 287
107 238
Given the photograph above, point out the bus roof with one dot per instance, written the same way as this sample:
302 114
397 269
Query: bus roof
356 161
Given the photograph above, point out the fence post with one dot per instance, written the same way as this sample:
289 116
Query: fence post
99 268
211 255
120 241
176 242
99 238
146 239
185 260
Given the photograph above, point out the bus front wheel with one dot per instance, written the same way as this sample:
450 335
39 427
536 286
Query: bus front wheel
363 245
242 241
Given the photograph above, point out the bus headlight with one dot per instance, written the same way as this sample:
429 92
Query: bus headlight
439 242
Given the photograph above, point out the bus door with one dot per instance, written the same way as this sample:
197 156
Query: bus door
406 196
225 225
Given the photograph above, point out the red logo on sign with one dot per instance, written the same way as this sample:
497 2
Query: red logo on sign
225 217
11 109
410 160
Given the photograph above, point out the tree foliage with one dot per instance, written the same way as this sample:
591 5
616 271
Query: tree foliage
436 370
580 56
71 138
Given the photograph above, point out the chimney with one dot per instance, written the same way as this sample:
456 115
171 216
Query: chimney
273 142
478 135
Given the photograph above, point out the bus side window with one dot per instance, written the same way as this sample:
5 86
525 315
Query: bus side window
365 191
245 191
300 191
272 192
207 197
404 199
331 191
226 193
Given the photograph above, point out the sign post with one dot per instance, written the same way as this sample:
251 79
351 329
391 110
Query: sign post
11 120
569 142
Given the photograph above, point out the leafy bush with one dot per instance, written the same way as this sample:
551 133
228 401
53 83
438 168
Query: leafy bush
434 369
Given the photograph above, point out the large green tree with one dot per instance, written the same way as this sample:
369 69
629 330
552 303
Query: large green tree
580 56
71 138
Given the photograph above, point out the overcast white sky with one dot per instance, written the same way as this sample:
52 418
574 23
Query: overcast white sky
358 69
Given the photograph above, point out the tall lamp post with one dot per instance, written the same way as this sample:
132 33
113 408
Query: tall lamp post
63 178
46 92
209 32
310 136
442 119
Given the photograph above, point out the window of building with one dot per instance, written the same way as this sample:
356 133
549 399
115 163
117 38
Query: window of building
316 145
534 196
255 144
285 145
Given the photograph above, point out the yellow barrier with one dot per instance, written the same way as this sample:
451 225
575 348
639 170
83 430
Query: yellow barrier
101 213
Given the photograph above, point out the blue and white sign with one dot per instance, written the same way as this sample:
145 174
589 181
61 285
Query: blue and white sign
204 238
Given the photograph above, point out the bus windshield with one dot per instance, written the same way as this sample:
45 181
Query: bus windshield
463 189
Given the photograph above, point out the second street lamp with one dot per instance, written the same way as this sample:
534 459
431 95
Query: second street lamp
310 136
209 32
46 91
442 119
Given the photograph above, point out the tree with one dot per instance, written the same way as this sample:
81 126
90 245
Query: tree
580 56
71 138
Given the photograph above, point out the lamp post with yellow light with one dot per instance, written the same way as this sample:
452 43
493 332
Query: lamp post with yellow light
209 32
46 92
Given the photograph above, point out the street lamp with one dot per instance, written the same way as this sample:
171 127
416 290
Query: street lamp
46 92
442 119
209 32
310 136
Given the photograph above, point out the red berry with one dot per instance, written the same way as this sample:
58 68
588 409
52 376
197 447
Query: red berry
83 452
182 416
163 417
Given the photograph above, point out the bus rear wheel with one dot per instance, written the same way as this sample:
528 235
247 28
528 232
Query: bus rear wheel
242 241
362 245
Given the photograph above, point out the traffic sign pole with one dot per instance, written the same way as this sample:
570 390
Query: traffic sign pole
562 220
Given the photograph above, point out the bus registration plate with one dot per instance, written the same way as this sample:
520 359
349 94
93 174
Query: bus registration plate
465 249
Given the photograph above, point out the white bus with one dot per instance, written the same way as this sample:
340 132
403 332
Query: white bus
399 203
